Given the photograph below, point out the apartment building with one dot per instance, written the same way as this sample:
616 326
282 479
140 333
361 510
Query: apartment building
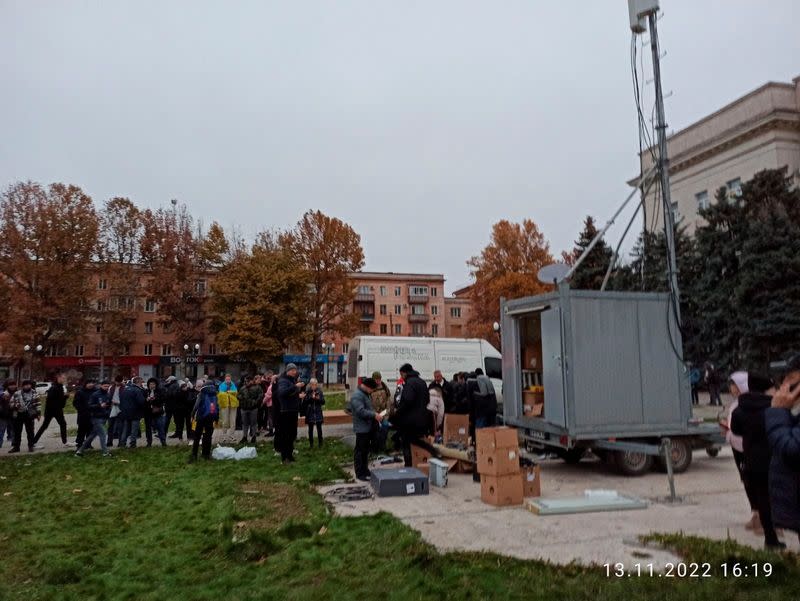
760 130
457 309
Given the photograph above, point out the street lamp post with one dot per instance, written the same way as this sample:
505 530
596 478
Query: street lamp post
29 350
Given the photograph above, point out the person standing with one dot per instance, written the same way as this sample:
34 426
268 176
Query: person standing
289 398
187 395
228 397
738 387
25 410
263 414
411 418
314 401
81 404
712 382
270 400
381 399
748 422
172 391
250 398
447 390
113 422
783 431
695 377
436 407
154 413
6 419
364 418
99 410
132 402
205 413
55 401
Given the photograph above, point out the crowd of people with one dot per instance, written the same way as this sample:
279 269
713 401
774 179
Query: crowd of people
762 425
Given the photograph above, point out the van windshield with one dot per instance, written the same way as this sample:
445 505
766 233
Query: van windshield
493 367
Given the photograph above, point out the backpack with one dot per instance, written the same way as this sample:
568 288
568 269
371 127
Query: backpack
208 405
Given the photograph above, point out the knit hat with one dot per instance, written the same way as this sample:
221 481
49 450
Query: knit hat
376 375
369 383
740 379
290 367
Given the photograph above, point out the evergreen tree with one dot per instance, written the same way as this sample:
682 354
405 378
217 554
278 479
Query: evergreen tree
590 273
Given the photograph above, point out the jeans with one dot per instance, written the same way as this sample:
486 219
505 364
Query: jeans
128 432
287 434
23 420
113 429
48 417
311 434
5 425
249 423
204 430
361 454
84 427
159 422
182 420
98 431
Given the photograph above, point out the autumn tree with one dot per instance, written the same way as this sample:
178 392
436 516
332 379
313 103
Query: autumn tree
172 254
48 238
507 267
328 250
259 307
592 271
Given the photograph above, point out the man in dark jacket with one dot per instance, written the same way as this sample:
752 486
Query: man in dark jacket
364 421
783 429
411 418
447 390
25 409
154 413
81 404
99 407
6 421
183 408
289 397
54 408
250 397
131 410
747 421
172 393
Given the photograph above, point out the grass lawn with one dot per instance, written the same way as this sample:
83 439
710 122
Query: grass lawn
145 525
334 400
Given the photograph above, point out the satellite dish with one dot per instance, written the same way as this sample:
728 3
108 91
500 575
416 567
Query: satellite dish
553 273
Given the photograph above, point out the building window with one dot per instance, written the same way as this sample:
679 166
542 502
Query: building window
434 291
365 329
363 289
398 291
383 309
167 325
383 290
434 309
97 350
79 350
417 309
676 216
148 327
148 350
398 309
126 350
102 284
435 329
418 329
384 328
150 306
455 311
101 305
398 329
200 286
702 200
212 349
734 187
98 327
166 349
419 291
345 348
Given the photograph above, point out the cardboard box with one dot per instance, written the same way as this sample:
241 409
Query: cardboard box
498 462
531 481
501 490
419 456
424 468
501 437
534 410
456 428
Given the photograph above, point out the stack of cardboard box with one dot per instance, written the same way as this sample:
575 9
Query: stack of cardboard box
497 451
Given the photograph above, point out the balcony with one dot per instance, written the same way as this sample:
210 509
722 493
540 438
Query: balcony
418 298
364 298
366 317
417 318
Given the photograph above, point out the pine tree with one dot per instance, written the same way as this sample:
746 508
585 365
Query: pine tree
590 273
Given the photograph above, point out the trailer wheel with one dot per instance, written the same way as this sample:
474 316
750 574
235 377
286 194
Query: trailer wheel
712 451
633 464
572 456
681 457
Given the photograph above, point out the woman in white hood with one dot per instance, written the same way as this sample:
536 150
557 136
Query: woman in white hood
738 385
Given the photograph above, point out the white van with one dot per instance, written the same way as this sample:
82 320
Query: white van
368 354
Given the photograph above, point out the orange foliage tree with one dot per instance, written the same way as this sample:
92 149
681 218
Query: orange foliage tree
507 267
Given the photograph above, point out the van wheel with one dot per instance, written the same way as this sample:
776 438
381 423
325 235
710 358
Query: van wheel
572 456
681 457
633 464
712 451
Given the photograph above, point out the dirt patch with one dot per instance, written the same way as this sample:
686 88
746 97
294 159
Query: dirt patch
267 507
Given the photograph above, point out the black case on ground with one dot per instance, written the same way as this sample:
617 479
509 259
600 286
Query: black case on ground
399 482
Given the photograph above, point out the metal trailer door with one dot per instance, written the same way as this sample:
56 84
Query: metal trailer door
553 367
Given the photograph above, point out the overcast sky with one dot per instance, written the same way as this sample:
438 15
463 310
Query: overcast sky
421 123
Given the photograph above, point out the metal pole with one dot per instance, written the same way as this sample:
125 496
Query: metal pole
663 167
666 447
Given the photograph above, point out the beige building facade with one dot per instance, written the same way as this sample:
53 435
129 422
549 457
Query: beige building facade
758 131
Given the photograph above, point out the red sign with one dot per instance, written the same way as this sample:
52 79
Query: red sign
79 362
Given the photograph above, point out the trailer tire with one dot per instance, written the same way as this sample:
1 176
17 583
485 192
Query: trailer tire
572 456
712 451
681 457
633 464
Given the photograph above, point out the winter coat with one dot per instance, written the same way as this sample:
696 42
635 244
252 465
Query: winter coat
380 397
447 393
747 421
411 416
314 401
115 391
26 402
154 402
132 401
250 397
288 394
5 404
460 403
731 438
228 396
436 406
81 402
100 404
268 396
363 413
783 432
56 399
187 399
172 394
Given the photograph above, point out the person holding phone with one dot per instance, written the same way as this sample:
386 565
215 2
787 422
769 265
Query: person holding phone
314 401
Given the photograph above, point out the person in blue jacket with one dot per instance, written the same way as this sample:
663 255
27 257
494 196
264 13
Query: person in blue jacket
782 421
99 408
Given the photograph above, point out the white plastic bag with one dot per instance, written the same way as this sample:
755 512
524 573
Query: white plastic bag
246 453
223 453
